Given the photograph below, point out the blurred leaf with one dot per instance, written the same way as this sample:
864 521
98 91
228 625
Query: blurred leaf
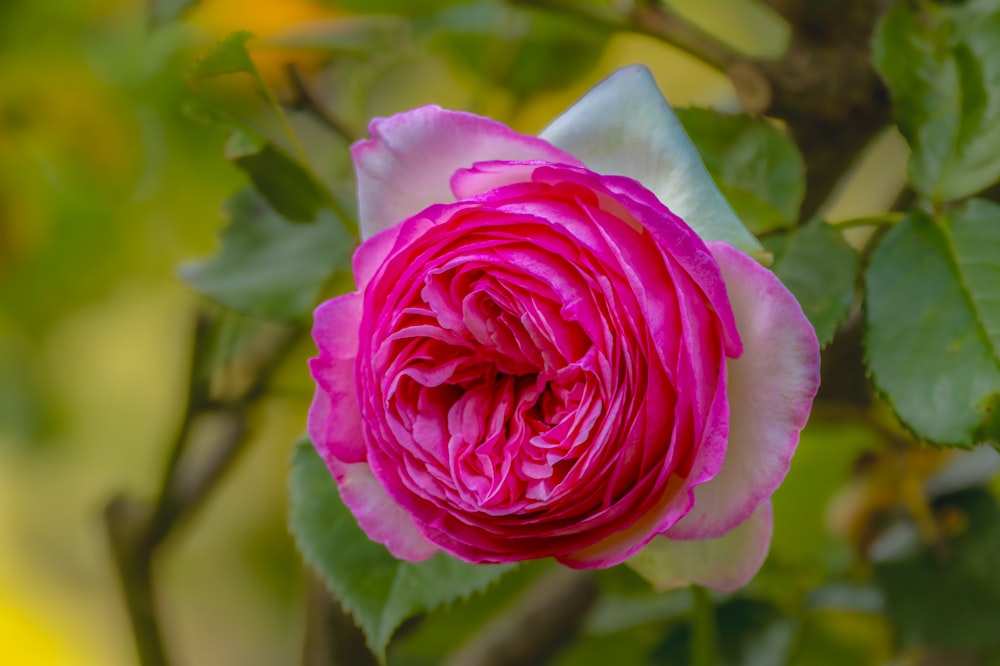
757 167
361 35
819 268
378 590
836 638
751 632
269 267
401 7
228 56
942 64
957 601
285 183
522 51
163 11
933 304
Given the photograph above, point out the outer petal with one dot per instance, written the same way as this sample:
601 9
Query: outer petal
379 516
623 126
407 164
724 564
771 388
336 431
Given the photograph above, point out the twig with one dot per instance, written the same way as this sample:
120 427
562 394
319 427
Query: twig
306 98
542 622
704 636
648 19
137 529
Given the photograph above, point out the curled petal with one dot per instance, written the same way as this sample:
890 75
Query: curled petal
407 164
725 564
771 389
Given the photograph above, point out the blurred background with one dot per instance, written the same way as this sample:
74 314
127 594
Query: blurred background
109 180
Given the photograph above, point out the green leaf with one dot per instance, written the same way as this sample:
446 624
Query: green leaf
377 589
524 52
956 601
931 312
269 267
942 65
357 36
623 126
757 167
819 268
290 188
228 56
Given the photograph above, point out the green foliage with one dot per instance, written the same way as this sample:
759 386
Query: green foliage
378 590
355 36
757 167
269 267
948 593
288 186
820 269
931 310
168 10
524 52
942 63
229 56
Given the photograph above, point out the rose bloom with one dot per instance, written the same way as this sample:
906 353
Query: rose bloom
544 359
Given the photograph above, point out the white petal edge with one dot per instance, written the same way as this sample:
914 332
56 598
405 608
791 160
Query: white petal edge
771 387
724 564
625 127
407 164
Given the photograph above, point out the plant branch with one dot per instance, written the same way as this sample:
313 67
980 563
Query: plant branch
704 633
137 529
306 98
824 86
647 19
537 626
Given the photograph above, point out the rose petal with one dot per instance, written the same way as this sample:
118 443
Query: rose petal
771 389
335 419
624 126
382 519
724 564
407 164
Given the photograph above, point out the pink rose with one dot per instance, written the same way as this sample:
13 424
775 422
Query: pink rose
544 359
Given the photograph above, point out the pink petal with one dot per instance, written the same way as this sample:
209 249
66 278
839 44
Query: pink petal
382 519
724 564
407 164
335 419
770 388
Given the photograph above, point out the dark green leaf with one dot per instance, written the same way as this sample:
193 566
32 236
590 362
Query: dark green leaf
943 67
269 267
819 268
228 56
949 594
378 590
931 310
757 167
288 186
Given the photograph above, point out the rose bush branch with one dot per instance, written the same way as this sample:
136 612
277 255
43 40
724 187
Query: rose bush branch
137 529
539 624
824 86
